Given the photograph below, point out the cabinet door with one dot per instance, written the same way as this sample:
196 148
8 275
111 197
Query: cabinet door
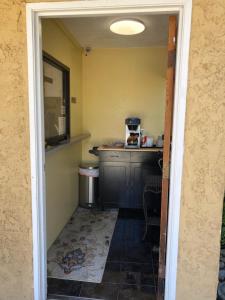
138 173
114 181
136 181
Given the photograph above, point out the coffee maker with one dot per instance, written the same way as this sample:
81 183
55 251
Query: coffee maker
133 133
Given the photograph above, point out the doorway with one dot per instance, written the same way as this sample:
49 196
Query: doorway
122 76
34 14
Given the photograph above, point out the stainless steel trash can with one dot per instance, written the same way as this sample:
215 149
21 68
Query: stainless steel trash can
88 184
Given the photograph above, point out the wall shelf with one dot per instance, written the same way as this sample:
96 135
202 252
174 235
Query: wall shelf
73 140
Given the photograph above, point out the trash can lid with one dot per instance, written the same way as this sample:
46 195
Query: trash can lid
89 166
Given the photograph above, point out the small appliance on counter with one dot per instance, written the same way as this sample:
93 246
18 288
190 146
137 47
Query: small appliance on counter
94 151
147 141
133 133
159 142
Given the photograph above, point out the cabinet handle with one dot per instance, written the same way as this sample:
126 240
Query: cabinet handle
114 156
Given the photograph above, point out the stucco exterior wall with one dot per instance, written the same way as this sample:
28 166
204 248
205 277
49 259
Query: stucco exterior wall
204 158
15 193
203 180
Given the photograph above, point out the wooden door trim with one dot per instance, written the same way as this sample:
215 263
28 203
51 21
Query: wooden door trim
170 81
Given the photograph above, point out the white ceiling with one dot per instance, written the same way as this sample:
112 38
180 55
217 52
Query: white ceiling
94 32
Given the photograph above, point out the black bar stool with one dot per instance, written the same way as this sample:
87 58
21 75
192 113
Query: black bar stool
152 186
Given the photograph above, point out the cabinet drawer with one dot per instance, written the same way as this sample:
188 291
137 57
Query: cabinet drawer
146 157
114 156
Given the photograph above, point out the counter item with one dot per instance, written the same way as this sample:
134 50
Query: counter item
147 141
88 184
133 133
159 142
94 151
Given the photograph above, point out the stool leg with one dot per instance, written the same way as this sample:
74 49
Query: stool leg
146 216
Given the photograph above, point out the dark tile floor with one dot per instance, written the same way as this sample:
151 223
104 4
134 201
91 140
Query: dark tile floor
131 269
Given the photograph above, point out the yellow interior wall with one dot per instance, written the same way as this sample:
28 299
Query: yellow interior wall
136 80
62 166
120 83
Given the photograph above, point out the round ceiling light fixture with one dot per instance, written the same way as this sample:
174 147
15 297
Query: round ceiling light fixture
127 27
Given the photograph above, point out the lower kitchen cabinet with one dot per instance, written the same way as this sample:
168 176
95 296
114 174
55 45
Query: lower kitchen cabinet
136 185
122 177
114 184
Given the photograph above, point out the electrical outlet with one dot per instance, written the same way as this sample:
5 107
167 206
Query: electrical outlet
73 99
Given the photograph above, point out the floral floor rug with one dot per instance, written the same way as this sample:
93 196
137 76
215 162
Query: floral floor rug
80 252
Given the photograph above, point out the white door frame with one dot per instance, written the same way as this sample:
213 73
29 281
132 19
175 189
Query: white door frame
36 11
